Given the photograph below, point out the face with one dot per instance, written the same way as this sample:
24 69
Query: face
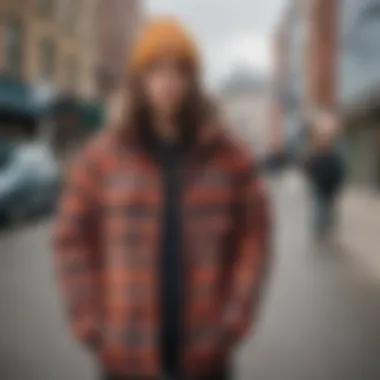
165 85
326 129
329 123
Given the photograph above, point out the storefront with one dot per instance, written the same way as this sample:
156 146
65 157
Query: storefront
359 84
363 141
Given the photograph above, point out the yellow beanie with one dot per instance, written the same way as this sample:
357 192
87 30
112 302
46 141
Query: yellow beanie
164 37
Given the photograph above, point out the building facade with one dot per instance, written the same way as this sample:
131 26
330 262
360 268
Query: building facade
338 62
289 86
360 89
359 85
52 43
245 104
305 54
359 33
119 22
67 54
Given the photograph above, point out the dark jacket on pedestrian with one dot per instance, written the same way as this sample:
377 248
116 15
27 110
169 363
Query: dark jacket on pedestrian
326 172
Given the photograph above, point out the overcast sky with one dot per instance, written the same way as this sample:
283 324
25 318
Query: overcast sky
231 32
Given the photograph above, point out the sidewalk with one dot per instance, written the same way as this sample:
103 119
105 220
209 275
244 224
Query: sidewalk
359 231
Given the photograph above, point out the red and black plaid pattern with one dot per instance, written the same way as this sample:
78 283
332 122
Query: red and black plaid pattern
107 244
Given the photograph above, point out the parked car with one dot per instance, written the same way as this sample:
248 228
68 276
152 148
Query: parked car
29 182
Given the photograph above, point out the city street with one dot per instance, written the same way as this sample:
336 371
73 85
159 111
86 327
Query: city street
320 317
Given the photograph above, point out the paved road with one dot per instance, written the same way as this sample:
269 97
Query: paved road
320 319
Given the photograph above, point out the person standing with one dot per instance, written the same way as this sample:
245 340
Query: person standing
161 240
325 169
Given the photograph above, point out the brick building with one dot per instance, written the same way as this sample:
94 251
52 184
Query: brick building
51 41
67 54
327 54
48 57
340 58
321 54
306 64
119 22
73 46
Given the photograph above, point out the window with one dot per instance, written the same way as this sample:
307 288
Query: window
72 74
13 47
71 15
47 59
45 8
367 30
93 19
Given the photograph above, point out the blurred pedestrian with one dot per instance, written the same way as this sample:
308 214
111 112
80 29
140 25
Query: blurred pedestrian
276 160
162 232
325 170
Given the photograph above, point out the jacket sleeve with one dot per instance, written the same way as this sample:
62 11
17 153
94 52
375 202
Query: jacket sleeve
76 248
249 256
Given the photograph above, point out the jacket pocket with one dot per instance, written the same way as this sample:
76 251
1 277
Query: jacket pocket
208 351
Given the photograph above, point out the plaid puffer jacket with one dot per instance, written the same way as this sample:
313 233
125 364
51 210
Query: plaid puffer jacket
107 252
